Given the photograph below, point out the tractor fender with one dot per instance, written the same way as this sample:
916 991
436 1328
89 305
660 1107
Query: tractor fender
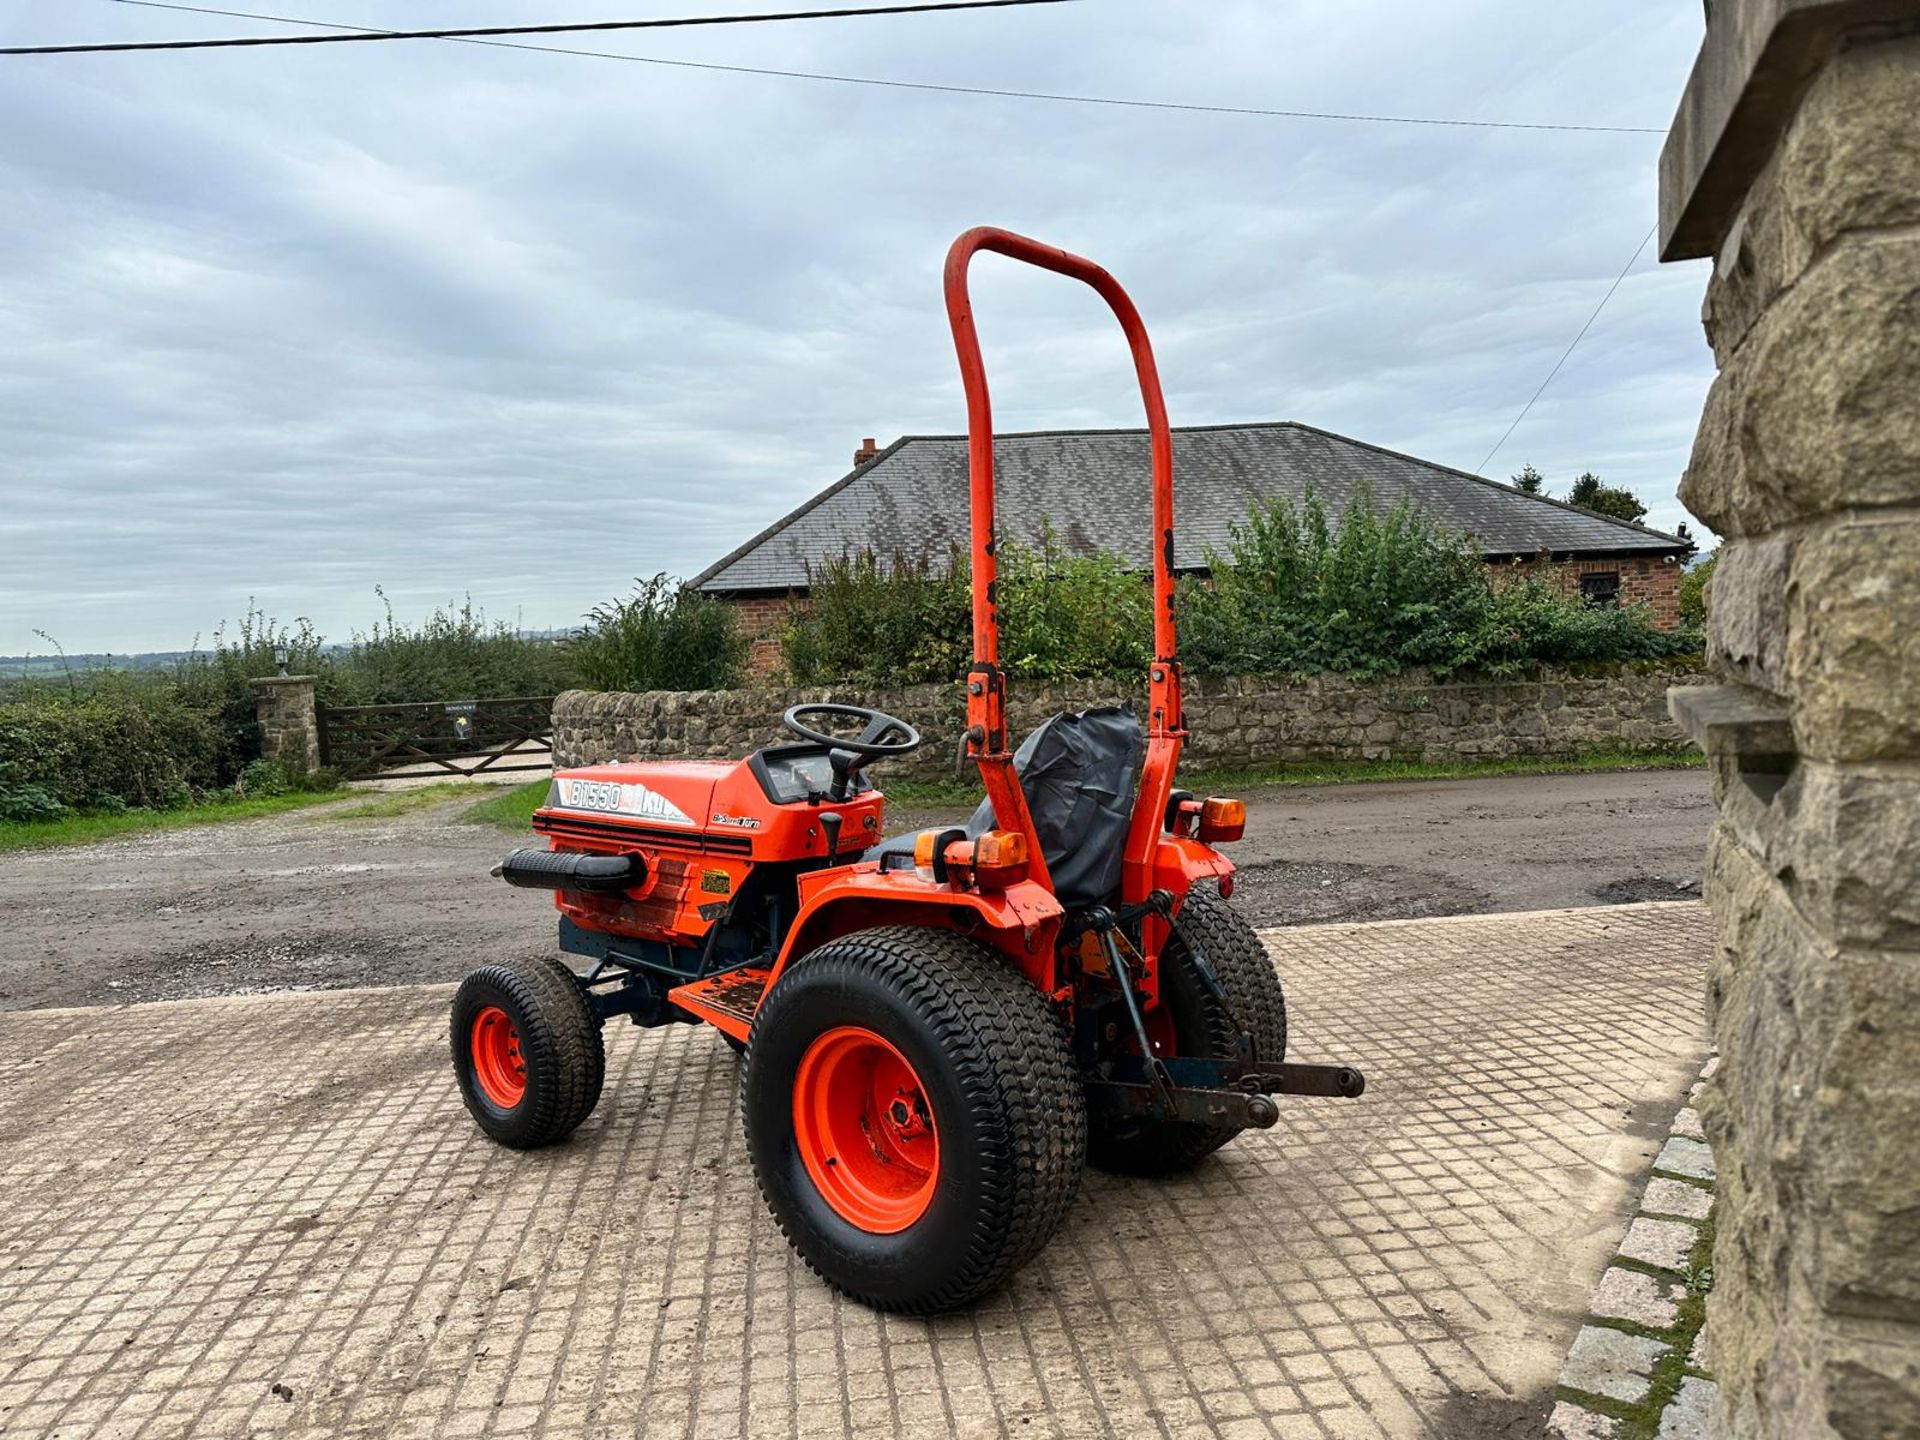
1022 921
1180 860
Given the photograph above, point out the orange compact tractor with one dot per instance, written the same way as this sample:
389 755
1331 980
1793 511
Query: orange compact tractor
939 1030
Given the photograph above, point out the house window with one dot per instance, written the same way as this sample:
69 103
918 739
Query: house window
1601 587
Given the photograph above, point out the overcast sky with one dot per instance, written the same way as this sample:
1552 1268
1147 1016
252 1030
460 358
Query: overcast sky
290 323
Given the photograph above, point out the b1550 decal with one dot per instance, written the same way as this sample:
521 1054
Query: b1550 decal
612 796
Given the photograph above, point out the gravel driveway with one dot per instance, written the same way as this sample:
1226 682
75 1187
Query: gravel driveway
311 900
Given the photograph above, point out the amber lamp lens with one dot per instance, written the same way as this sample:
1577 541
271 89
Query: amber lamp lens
1000 858
1222 820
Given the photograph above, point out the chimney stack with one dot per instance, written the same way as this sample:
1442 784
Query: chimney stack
866 451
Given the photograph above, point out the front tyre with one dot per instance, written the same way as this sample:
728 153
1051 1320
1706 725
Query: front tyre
914 1117
527 1051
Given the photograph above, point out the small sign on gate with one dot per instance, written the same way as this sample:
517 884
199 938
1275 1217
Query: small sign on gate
463 712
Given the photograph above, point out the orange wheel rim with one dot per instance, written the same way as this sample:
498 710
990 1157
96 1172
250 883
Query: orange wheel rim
499 1069
865 1130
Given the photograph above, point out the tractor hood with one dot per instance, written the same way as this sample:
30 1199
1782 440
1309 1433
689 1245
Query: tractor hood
677 794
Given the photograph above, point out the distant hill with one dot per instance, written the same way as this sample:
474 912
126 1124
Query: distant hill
55 667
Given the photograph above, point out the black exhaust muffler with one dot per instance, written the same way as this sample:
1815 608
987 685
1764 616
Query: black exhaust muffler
571 870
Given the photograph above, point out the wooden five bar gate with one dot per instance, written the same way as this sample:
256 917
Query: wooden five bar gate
435 737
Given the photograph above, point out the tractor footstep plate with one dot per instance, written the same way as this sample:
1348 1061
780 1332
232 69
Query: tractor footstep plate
727 1000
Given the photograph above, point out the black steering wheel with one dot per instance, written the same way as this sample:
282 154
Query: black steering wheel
849 757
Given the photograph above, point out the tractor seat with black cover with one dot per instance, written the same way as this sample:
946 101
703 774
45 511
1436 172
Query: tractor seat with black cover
1079 772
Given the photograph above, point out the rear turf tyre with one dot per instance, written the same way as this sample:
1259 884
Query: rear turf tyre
1200 1027
914 1117
527 1051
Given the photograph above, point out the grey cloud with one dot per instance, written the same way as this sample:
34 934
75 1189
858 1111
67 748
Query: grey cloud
452 319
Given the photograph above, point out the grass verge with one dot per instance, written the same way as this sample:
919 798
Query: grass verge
510 809
85 829
1366 771
934 793
380 804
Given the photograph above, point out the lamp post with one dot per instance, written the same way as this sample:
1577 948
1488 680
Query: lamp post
280 659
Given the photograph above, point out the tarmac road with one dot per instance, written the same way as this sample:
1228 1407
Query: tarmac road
312 901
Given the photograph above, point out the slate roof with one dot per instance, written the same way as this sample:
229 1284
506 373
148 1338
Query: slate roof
1092 485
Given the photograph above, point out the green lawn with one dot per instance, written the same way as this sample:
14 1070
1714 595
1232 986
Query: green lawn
83 829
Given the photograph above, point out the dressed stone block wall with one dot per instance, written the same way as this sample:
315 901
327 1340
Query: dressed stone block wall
1796 163
1251 720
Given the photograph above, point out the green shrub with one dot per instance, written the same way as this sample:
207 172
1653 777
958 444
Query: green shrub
147 739
454 654
662 637
219 682
451 655
1065 615
910 621
264 778
114 740
1381 592
21 799
902 623
1372 595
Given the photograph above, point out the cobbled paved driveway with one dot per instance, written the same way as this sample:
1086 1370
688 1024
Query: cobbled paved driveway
269 1215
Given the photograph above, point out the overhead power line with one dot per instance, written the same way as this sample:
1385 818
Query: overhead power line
925 85
1480 469
357 33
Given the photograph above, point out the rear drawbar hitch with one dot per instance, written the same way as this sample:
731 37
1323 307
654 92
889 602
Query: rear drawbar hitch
1213 1093
1232 1092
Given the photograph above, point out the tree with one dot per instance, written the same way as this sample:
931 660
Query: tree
1589 492
1695 592
1530 482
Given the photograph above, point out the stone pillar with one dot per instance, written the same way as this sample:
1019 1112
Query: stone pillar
289 721
1794 162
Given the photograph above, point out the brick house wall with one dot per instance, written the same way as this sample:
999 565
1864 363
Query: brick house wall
1643 580
761 617
1650 580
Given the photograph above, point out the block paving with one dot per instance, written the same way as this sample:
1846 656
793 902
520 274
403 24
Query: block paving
268 1215
1641 1368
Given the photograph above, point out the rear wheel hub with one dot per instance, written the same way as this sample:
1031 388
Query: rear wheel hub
865 1131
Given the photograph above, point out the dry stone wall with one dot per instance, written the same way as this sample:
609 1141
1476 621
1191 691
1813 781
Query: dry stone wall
1243 721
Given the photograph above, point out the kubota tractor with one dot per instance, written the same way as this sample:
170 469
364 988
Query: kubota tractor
939 1030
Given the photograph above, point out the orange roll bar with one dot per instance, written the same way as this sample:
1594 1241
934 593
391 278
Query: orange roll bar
986 739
